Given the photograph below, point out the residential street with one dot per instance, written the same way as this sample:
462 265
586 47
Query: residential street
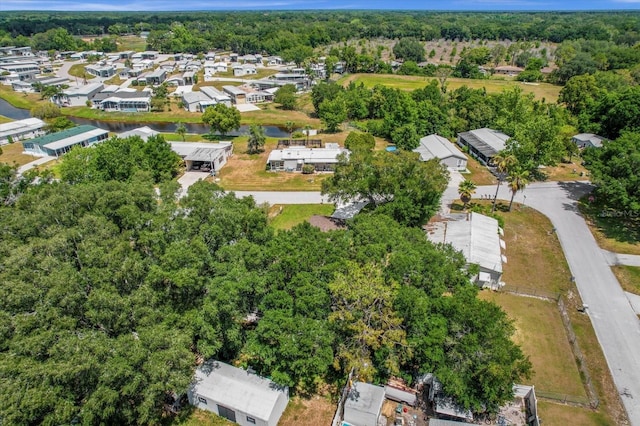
614 320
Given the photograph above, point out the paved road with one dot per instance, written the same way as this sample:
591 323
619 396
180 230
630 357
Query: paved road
613 318
621 259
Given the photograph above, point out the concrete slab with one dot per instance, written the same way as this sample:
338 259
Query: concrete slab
247 107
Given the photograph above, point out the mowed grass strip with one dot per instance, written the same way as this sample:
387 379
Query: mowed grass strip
290 215
616 234
12 154
540 333
552 414
535 259
4 119
629 277
478 173
546 91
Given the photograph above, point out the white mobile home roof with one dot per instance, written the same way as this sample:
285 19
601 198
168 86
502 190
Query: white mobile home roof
435 146
186 148
475 235
144 132
21 126
363 403
85 90
235 388
233 90
308 155
593 139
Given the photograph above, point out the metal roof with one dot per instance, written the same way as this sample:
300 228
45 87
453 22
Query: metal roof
185 149
238 389
475 235
233 90
21 126
435 146
593 139
75 139
144 132
364 398
86 90
487 141
308 155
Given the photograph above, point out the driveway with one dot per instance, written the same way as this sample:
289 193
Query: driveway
616 325
188 179
34 163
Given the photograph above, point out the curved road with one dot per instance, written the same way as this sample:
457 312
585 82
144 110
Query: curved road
615 323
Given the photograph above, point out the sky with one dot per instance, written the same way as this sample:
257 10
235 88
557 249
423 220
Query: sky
173 5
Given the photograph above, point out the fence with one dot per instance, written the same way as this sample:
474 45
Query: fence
575 347
591 400
337 418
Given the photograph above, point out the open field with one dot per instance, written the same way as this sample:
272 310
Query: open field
271 114
629 278
567 172
290 215
546 91
616 234
12 154
318 410
535 258
131 42
540 333
19 100
217 84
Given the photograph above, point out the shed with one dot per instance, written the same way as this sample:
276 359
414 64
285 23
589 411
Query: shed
237 395
144 132
435 146
363 404
483 143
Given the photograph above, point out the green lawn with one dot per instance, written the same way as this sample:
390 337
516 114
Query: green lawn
629 278
197 417
131 42
12 154
540 333
290 215
616 234
547 91
18 99
4 119
77 70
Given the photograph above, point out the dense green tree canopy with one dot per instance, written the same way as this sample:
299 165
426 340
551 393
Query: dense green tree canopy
221 118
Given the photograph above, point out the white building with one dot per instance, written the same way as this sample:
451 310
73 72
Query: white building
292 159
237 395
478 238
78 96
363 406
21 130
588 140
435 146
144 132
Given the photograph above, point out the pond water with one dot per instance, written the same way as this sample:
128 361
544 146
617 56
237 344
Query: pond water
12 112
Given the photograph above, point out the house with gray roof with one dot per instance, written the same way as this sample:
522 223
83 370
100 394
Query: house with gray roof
478 238
203 155
435 146
483 144
78 96
588 140
363 405
21 130
237 395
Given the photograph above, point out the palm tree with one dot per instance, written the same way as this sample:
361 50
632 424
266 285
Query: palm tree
181 129
290 125
466 189
518 180
503 162
307 129
256 139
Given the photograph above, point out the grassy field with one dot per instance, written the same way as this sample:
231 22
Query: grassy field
199 417
318 410
535 258
616 234
272 115
290 215
629 278
540 333
12 154
546 91
18 99
567 172
4 119
217 84
131 42
77 70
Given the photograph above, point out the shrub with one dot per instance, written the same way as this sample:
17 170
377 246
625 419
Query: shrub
308 169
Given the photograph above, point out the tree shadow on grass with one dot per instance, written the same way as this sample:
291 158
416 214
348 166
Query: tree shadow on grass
621 226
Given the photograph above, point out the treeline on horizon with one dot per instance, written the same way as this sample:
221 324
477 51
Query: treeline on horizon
322 27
